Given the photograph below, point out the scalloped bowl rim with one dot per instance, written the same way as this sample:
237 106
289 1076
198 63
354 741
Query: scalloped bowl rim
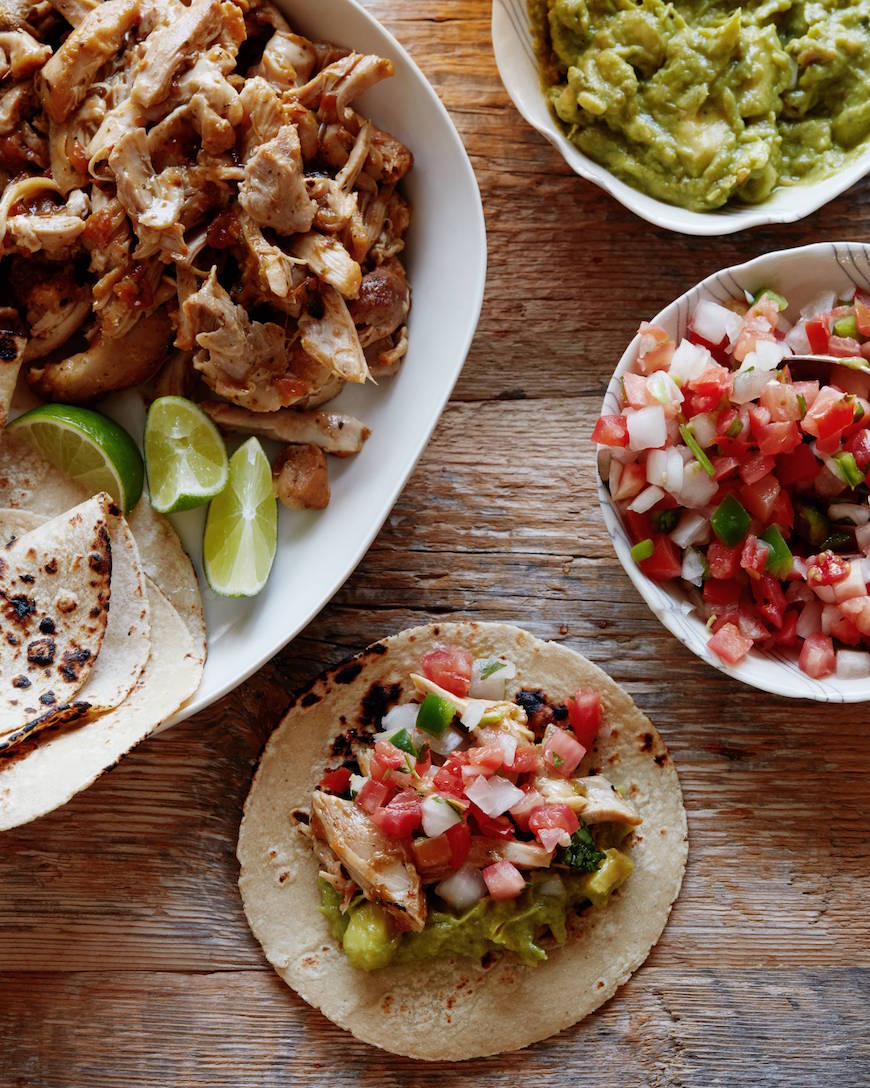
511 39
774 672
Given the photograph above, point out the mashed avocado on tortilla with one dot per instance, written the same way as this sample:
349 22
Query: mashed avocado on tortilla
698 102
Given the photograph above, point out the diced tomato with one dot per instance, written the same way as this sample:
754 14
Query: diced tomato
756 468
656 348
724 466
830 413
778 438
562 753
401 816
769 599
857 609
432 854
750 626
448 778
718 351
787 634
632 480
845 630
781 401
808 390
527 760
817 657
705 392
639 525
730 645
801 466
665 562
503 880
753 558
859 446
760 498
492 827
635 390
862 314
724 562
844 347
423 761
372 796
782 513
827 569
450 668
336 781
523 809
459 840
487 758
584 713
817 334
611 431
722 593
556 818
386 760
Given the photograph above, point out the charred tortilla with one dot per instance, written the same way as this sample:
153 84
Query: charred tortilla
453 1008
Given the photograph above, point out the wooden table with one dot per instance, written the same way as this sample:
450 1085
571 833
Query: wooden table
124 953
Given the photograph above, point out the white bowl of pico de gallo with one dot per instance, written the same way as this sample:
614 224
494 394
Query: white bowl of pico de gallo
734 473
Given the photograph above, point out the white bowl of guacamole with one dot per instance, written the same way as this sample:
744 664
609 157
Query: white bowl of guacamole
700 116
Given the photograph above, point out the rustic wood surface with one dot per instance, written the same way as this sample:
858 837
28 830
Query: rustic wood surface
124 954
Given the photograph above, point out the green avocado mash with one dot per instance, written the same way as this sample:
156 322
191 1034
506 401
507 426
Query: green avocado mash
698 102
514 925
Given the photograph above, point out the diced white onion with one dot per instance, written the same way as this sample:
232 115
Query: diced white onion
493 796
448 742
357 781
647 428
862 536
849 511
848 293
853 664
663 387
810 619
493 687
646 500
798 340
691 529
474 711
821 304
748 385
463 889
830 615
438 816
508 745
614 475
689 362
824 593
400 717
704 429
698 488
693 567
714 322
552 886
853 585
770 353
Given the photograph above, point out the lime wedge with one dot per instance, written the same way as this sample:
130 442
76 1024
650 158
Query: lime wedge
241 529
184 455
88 447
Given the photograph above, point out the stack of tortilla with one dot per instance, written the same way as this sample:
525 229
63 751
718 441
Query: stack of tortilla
101 632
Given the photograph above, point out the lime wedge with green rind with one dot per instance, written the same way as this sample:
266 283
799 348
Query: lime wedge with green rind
88 447
185 455
241 528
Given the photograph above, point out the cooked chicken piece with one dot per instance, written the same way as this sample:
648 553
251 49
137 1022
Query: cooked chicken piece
125 295
336 434
321 385
346 178
561 791
67 143
186 284
168 47
153 201
263 113
176 377
15 14
273 192
51 302
287 60
21 54
106 365
209 102
383 302
242 360
338 84
107 236
332 338
379 865
525 855
391 239
12 346
13 104
74 10
301 479
605 804
279 278
55 235
366 227
329 261
389 160
335 206
66 77
330 867
116 123
385 356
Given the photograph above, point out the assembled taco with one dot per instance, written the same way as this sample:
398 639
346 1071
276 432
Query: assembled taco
461 841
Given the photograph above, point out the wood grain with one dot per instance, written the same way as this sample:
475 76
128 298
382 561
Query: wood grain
124 954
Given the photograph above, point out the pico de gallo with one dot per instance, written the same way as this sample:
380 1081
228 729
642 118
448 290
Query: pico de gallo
466 825
742 472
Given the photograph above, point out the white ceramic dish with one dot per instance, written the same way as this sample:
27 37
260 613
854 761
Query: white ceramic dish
799 275
515 57
446 264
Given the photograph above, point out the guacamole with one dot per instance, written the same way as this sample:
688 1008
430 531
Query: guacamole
698 102
514 925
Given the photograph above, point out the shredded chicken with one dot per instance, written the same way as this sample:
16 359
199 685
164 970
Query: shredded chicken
225 217
378 864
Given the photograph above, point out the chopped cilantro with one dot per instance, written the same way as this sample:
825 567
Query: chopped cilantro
492 667
581 853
